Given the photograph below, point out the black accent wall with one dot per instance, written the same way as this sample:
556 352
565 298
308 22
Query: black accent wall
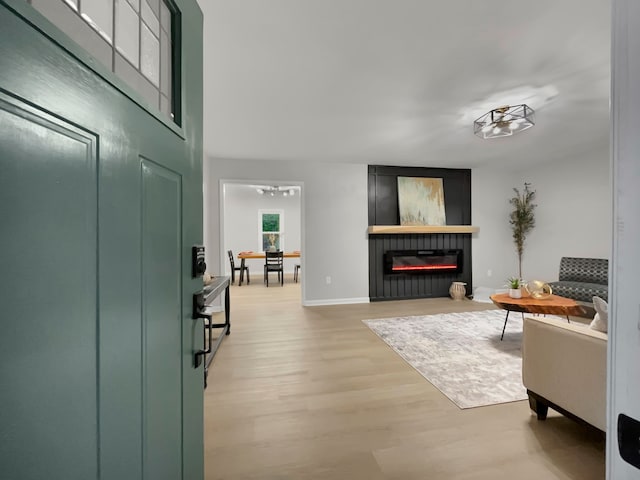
383 210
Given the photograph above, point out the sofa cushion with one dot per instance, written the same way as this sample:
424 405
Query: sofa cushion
580 291
589 270
600 321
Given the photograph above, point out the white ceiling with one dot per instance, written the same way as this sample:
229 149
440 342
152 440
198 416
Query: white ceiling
400 81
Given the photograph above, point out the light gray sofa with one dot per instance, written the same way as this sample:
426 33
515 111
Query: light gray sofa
564 366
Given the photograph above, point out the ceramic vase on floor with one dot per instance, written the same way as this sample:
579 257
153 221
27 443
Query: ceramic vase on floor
457 290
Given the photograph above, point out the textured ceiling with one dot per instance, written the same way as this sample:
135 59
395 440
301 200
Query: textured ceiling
400 81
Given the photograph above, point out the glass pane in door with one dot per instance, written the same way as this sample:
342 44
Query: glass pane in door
99 14
128 32
150 61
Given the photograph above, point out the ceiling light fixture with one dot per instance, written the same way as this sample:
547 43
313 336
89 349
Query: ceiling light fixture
504 121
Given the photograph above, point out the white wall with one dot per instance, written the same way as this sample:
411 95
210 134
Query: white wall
242 224
573 198
493 248
573 215
334 222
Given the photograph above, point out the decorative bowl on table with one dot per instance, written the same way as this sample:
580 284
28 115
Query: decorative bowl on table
538 289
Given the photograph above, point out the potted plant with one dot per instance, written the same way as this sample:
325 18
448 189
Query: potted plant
514 284
522 219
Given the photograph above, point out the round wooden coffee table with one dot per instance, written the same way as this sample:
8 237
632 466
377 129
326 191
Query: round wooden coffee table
552 305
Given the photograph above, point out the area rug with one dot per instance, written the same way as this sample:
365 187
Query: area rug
461 353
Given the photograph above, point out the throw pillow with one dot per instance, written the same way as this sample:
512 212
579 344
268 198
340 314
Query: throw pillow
600 321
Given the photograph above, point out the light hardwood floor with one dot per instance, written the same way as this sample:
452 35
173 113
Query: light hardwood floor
311 393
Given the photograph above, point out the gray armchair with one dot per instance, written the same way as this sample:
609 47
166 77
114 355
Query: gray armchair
582 278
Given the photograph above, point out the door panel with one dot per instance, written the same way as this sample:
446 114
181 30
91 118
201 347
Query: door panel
96 351
48 191
161 317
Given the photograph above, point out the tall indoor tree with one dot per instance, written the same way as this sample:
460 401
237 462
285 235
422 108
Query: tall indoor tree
522 219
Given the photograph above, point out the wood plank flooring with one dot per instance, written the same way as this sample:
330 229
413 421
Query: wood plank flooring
311 393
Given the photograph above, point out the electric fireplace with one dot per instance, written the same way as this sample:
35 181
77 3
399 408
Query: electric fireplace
422 262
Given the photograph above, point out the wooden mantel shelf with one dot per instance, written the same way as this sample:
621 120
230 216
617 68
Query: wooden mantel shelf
406 229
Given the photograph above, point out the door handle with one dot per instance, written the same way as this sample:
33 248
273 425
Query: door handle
198 307
201 354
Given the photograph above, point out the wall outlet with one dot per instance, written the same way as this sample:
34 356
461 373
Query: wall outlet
489 273
328 280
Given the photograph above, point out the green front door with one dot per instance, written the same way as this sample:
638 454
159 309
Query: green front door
100 204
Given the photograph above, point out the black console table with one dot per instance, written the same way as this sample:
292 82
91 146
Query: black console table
211 292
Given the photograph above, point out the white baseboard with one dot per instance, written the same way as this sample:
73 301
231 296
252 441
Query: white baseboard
335 301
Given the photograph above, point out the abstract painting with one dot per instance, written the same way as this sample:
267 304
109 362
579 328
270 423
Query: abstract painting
421 201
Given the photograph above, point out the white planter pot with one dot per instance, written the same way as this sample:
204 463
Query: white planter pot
515 293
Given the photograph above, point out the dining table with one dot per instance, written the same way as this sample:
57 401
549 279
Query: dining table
242 256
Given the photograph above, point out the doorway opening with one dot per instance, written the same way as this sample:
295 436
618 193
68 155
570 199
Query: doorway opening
259 216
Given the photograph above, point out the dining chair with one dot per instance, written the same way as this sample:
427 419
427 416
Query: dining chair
274 262
235 269
296 269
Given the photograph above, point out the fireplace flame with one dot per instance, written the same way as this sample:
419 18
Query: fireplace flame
396 268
